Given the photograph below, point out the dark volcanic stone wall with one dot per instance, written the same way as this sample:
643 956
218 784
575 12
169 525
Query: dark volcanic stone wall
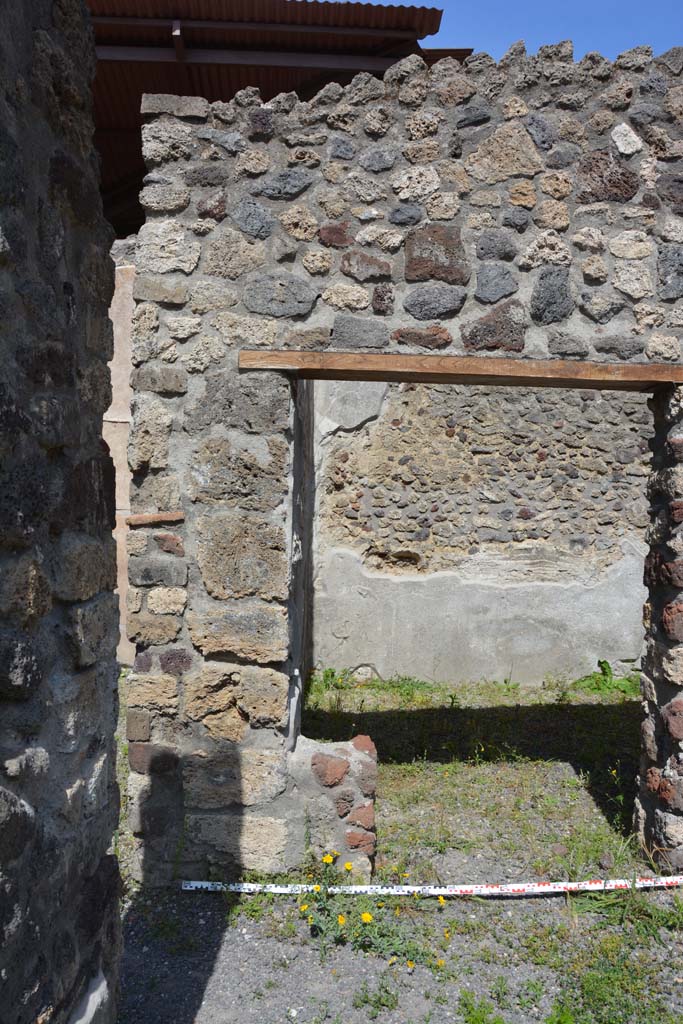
58 617
529 208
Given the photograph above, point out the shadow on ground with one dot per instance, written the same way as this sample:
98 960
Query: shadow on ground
593 738
179 964
171 944
172 939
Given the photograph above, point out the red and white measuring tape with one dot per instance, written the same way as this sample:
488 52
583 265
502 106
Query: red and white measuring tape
507 889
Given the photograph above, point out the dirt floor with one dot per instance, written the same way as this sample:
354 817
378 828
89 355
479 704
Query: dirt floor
488 782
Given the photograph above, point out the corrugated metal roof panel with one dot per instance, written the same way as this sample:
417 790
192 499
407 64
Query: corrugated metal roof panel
424 20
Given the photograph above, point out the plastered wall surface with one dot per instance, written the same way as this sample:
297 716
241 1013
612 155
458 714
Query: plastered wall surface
116 429
529 208
503 528
59 942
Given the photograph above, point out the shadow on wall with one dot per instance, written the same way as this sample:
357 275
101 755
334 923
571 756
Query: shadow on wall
172 939
186 811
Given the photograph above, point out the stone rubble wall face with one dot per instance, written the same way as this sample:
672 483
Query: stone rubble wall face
552 481
531 208
59 803
659 807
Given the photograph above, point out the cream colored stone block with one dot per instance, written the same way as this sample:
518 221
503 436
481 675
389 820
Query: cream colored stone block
166 600
257 844
156 692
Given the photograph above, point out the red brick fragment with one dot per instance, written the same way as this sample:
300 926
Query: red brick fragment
175 661
363 816
668 790
151 758
675 572
328 770
170 542
653 777
365 745
672 620
671 794
428 337
359 839
436 252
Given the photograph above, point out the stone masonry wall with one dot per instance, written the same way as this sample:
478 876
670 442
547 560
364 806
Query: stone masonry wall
527 208
659 808
59 943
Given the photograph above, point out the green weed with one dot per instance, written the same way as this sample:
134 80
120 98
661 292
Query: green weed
605 682
382 998
530 994
500 992
477 1011
560 1014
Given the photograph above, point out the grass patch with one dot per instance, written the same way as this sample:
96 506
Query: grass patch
633 911
493 776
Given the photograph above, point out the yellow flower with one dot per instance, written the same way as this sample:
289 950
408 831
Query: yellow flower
316 888
406 874
335 853
303 908
446 933
398 911
442 901
310 918
392 960
365 917
348 866
410 964
328 859
341 920
440 963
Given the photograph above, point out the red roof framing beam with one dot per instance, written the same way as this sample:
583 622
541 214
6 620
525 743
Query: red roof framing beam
178 41
250 58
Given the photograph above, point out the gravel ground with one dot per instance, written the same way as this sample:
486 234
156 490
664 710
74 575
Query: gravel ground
542 791
184 965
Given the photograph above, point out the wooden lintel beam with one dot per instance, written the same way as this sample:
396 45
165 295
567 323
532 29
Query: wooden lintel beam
255 58
154 518
110 21
487 370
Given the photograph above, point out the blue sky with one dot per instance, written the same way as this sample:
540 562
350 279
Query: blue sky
604 25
